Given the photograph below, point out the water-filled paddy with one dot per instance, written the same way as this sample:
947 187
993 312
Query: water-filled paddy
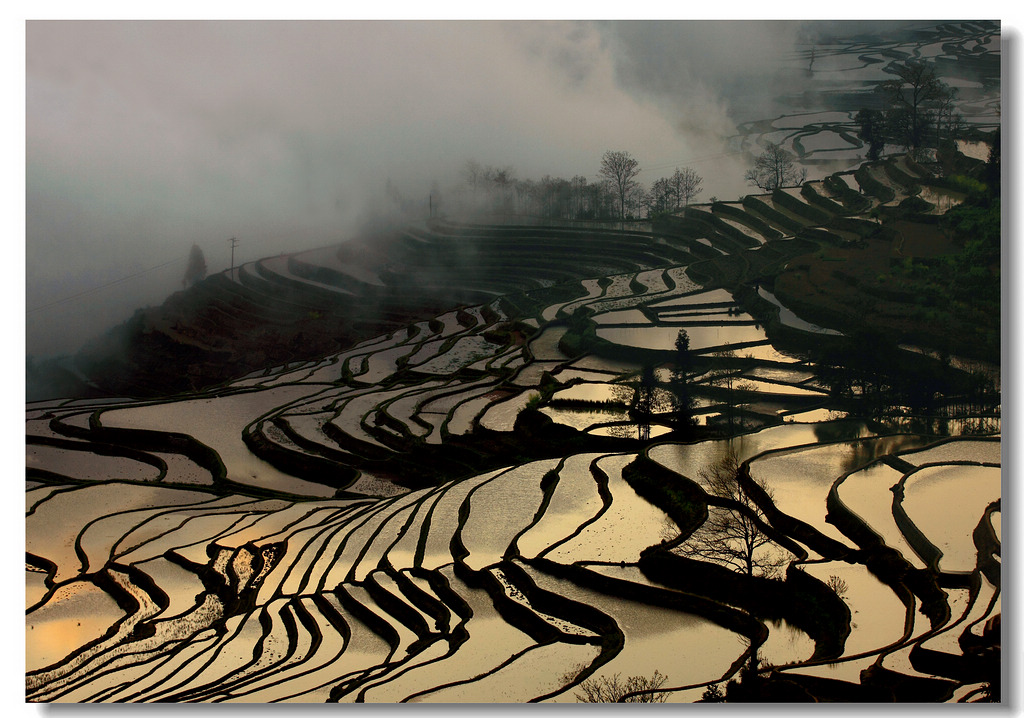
74 615
702 338
629 526
800 479
867 493
788 376
684 647
688 459
877 616
544 346
980 451
946 503
591 391
787 317
218 423
691 301
582 419
624 316
768 387
464 352
824 141
575 500
461 421
942 199
501 416
500 509
87 465
627 430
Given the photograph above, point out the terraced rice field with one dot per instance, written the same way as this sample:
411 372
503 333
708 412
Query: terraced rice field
365 527
485 497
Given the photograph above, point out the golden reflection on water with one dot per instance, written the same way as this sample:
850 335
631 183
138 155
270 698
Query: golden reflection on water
75 615
946 503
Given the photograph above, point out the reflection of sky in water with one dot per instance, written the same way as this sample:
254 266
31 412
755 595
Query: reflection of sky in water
75 614
629 526
590 391
689 459
88 465
985 452
53 535
575 500
444 519
714 296
866 493
800 479
684 647
582 419
502 415
491 642
702 338
501 509
218 423
824 140
877 616
785 644
625 316
630 431
946 503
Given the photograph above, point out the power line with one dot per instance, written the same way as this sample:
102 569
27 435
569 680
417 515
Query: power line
719 155
691 160
104 286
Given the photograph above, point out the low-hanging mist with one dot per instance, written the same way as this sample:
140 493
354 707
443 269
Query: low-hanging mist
146 137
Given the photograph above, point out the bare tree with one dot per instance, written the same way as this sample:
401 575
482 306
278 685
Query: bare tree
775 167
578 194
473 173
686 184
661 197
620 169
732 536
610 690
503 180
838 585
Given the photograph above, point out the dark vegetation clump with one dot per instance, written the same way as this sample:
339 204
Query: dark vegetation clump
635 689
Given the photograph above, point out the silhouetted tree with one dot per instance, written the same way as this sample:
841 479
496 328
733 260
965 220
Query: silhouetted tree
680 384
661 197
672 193
474 175
686 184
620 169
993 169
916 100
732 536
774 168
872 131
646 401
195 270
610 690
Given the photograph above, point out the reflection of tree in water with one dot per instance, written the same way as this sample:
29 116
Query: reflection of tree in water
732 535
625 431
645 400
862 453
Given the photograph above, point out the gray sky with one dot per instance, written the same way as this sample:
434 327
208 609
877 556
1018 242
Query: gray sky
144 137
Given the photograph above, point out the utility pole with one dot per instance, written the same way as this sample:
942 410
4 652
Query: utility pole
234 243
